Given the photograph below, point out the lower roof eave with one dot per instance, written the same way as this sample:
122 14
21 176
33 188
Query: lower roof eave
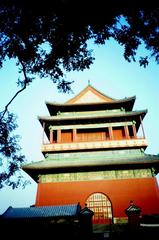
34 172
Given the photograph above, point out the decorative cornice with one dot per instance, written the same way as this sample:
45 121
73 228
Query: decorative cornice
106 114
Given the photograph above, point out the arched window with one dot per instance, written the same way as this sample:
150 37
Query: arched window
101 206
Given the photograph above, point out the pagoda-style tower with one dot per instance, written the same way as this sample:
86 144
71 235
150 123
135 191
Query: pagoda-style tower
94 155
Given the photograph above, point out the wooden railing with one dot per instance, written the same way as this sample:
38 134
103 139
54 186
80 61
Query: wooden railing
132 142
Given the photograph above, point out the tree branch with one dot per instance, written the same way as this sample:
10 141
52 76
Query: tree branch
25 82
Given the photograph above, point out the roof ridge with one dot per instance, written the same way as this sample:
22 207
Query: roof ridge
81 93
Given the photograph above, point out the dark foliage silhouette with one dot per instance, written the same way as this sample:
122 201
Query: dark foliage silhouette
50 38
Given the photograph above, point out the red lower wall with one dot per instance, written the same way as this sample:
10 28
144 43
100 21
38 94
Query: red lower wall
144 193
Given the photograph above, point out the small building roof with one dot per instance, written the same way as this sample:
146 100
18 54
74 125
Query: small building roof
41 212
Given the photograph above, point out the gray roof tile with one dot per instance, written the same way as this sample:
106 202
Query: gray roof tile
41 212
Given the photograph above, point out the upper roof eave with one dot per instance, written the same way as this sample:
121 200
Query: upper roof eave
133 98
105 100
125 114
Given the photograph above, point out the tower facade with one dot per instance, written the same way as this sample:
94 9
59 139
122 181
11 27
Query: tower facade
94 153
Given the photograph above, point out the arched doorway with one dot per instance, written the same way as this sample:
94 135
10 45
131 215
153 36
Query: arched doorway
102 208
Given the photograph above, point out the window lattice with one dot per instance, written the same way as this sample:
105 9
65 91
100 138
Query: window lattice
101 206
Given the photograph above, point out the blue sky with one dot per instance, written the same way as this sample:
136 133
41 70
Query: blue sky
110 74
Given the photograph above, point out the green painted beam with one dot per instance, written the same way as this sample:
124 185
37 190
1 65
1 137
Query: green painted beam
92 126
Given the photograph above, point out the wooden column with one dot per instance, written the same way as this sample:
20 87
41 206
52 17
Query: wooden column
43 133
134 131
74 135
51 136
110 129
126 129
142 127
59 136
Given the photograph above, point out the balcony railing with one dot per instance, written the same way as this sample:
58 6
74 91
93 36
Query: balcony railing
132 142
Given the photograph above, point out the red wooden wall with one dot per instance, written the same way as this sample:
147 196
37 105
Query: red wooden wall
66 136
144 192
89 135
118 133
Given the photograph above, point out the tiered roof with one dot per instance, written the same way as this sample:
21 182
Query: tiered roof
90 99
87 108
91 106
